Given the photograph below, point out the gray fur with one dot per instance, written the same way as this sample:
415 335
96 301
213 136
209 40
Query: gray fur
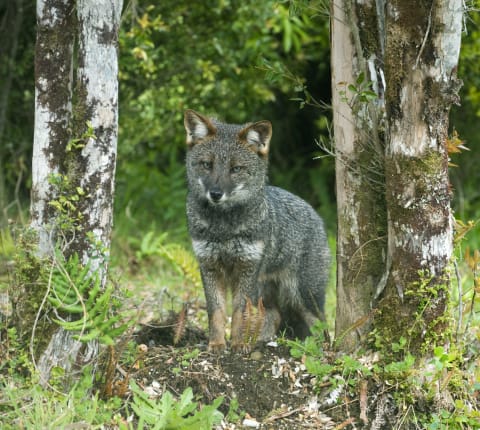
255 239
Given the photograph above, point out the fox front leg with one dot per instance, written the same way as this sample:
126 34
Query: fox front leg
245 287
215 295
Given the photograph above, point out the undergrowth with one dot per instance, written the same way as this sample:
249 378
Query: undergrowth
438 391
73 298
25 404
169 414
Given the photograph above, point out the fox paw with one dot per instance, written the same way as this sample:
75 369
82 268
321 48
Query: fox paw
241 348
216 347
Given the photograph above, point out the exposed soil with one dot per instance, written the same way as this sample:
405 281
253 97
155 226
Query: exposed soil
272 389
269 389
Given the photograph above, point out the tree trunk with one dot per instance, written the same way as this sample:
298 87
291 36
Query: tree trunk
421 59
75 146
361 237
97 104
394 225
53 106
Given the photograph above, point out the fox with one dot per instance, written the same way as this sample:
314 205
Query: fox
258 241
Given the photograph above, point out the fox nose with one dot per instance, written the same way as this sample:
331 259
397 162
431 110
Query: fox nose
216 194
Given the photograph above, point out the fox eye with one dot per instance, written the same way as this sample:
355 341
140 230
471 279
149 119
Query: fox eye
207 165
236 169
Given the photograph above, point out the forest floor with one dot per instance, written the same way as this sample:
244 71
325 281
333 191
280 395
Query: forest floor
266 389
271 389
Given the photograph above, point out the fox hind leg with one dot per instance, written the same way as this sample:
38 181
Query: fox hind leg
271 324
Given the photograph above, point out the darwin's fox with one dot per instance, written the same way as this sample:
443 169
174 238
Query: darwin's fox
259 241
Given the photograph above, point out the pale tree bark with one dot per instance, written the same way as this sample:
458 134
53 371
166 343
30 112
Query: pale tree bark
97 91
53 106
361 237
409 61
77 142
421 60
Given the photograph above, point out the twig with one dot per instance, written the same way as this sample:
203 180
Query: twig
424 41
363 401
475 286
345 423
281 415
460 299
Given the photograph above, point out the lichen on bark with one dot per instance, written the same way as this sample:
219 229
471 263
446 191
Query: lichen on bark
401 136
420 318
420 246
53 86
70 161
53 74
420 91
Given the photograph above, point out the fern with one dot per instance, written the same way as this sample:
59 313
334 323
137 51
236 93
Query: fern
150 245
168 413
77 292
180 325
253 320
181 258
184 261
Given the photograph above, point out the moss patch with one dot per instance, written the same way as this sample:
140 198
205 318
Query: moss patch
28 293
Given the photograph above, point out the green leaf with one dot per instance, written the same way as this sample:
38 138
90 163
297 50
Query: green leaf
360 79
352 88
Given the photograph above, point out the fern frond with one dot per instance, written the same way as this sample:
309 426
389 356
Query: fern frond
77 294
252 321
259 319
247 320
168 412
184 261
180 325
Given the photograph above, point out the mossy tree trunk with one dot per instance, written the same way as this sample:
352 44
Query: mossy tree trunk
359 147
75 143
53 108
394 257
421 59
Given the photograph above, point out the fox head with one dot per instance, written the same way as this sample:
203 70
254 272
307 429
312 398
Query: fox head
226 163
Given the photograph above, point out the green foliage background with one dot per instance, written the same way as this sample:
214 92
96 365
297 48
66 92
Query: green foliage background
464 118
237 60
178 55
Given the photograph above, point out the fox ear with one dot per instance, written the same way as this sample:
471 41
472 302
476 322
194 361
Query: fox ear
257 136
198 127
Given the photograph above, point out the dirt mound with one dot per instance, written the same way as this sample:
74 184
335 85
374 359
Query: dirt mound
267 389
